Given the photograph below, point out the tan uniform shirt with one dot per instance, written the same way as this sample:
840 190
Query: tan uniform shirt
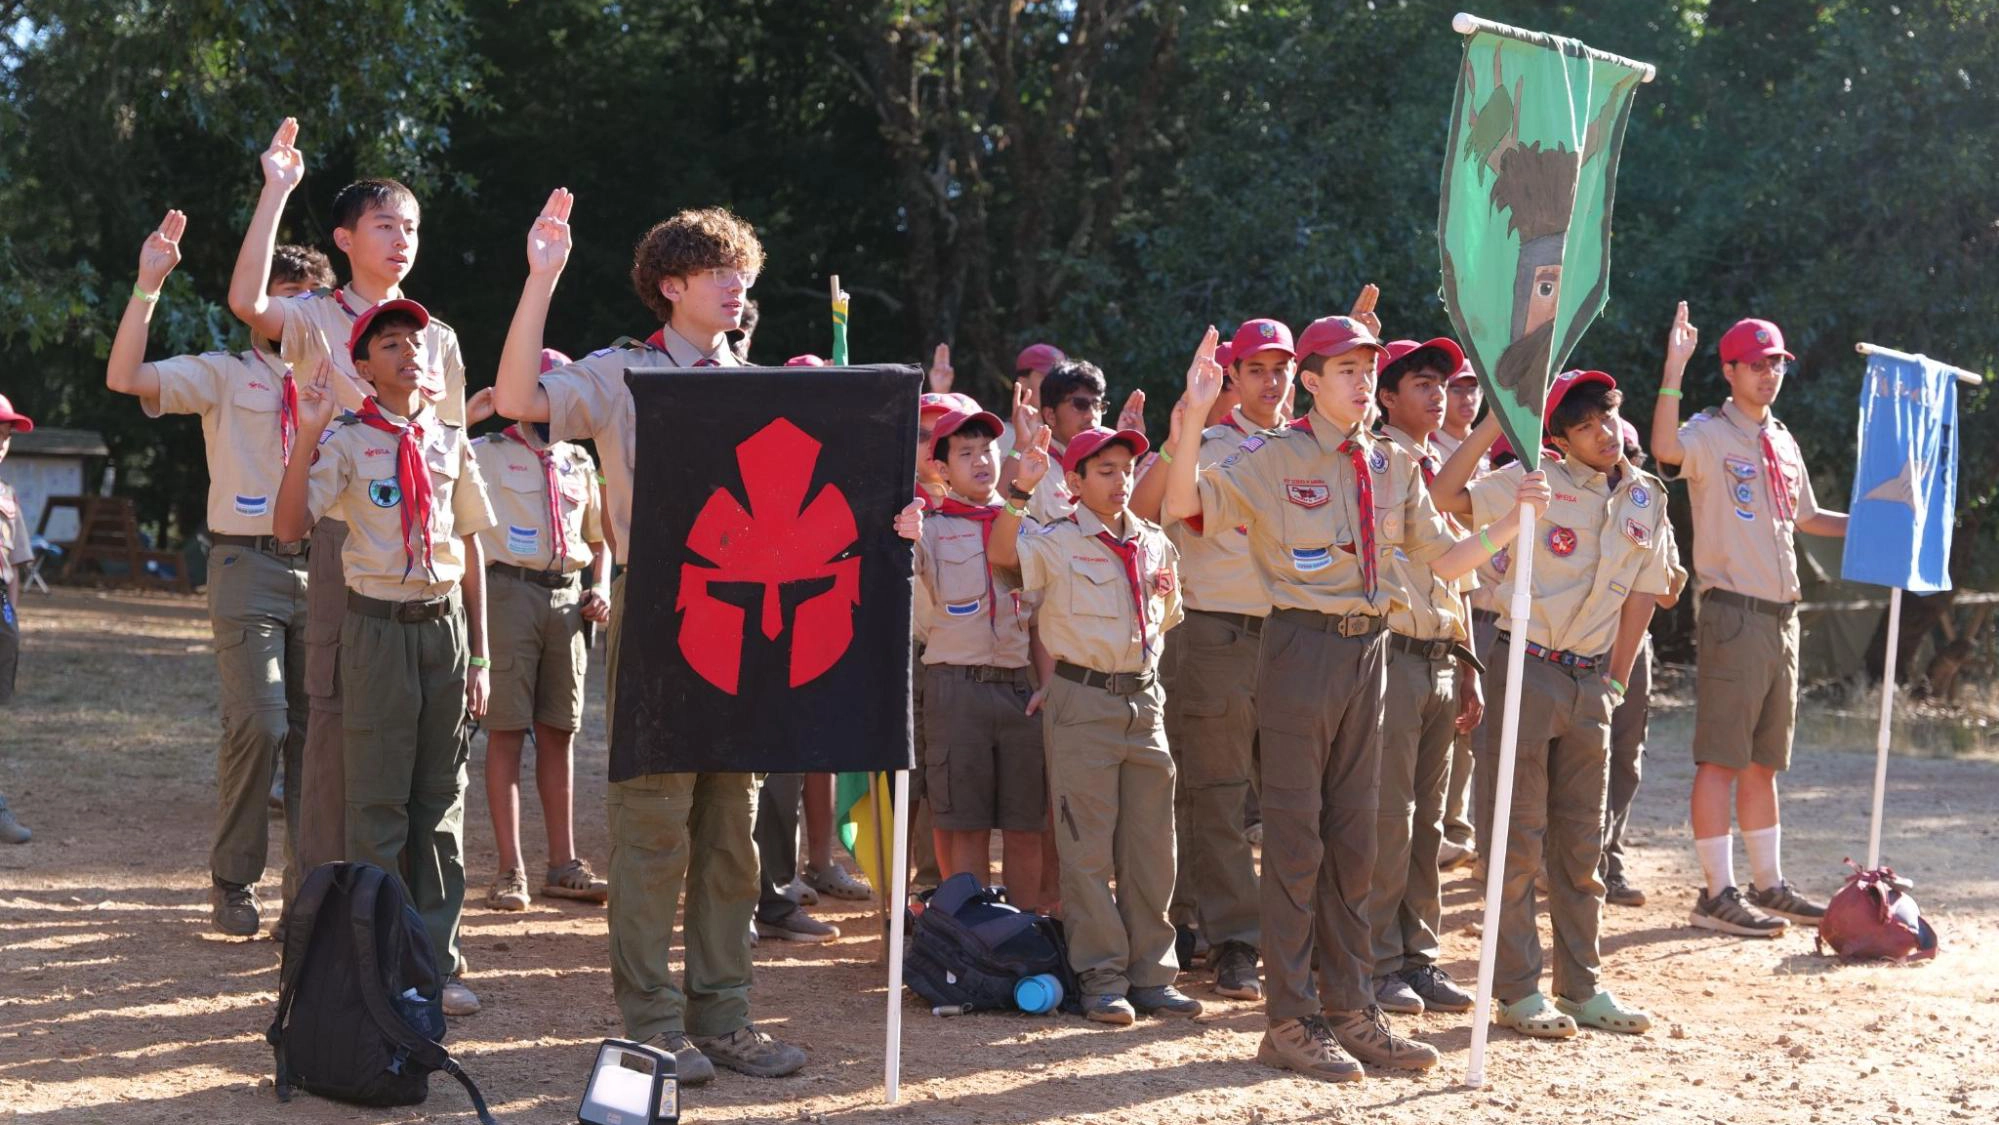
318 323
1595 545
1433 609
1295 491
517 489
589 400
1482 596
969 613
356 464
16 549
1217 574
1050 500
240 399
1089 614
1740 544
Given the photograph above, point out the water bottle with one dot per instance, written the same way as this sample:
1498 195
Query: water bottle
1038 994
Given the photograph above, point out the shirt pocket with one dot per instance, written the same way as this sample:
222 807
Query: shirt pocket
1097 590
961 573
1312 535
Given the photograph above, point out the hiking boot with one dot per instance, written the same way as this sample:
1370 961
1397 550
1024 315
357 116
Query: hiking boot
458 999
836 881
1366 1037
1109 1007
1452 855
12 831
236 911
1784 901
1439 992
575 880
1727 913
1307 1046
690 1066
1618 892
798 926
1393 994
509 891
1235 971
1164 1000
749 1051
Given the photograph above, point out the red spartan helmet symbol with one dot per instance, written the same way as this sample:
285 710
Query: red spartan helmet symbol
779 539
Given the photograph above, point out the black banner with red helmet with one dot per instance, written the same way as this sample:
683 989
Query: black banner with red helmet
766 621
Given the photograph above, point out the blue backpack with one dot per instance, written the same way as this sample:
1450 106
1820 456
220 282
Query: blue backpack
968 946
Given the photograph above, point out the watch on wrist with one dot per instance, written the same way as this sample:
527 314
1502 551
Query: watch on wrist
1018 493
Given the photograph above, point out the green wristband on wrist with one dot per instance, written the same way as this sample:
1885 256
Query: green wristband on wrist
1016 513
1166 457
1616 684
1013 454
141 294
1670 392
1485 541
480 662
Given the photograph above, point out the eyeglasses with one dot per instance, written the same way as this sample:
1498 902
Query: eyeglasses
1771 365
1086 403
726 277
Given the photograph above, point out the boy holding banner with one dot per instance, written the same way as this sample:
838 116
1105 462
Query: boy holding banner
1751 495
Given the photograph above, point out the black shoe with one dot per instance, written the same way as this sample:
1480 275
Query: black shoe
1109 1007
236 912
1235 971
1784 901
1439 992
1618 892
1164 1000
1183 946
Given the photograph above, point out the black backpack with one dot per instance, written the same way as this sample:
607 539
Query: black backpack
969 946
360 1004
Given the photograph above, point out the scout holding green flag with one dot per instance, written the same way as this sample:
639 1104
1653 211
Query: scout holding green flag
1524 229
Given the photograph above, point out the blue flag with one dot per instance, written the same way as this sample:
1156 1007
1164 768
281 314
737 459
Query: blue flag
1905 485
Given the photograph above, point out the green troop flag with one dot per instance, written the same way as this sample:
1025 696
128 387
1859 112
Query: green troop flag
1525 221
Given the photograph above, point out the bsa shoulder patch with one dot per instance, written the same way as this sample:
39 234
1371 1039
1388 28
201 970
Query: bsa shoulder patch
1378 460
1637 532
1561 541
1641 496
1307 493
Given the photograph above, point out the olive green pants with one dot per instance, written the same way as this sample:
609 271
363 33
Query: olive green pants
1417 728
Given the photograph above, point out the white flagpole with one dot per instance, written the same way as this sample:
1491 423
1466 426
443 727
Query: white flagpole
1881 732
893 896
1502 795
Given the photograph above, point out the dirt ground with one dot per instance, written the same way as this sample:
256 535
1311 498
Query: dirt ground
117 1003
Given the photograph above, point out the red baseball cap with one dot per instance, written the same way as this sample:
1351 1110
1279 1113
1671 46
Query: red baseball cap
1261 335
1568 381
22 423
1751 340
1464 371
1089 442
1336 335
1038 357
957 420
1628 431
1225 353
400 304
1397 349
552 359
933 403
805 361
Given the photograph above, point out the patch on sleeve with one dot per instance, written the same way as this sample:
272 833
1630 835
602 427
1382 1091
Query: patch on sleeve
1619 588
1637 532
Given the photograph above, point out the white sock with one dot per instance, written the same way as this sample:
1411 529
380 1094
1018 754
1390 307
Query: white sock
1717 856
1763 865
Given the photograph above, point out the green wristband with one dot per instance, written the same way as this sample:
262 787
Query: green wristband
1616 684
1166 457
480 662
1013 454
1670 392
1485 541
1016 513
141 294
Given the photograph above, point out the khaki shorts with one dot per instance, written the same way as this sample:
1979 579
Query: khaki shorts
1745 686
983 756
535 636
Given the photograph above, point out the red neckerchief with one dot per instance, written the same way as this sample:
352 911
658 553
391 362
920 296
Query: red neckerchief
1780 487
412 479
287 408
1127 553
1364 497
558 539
985 514
340 296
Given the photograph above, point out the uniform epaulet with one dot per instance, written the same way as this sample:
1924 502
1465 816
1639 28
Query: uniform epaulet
1147 524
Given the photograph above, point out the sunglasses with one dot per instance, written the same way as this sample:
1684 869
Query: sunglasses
1086 403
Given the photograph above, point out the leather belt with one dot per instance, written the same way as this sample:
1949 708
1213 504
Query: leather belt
1117 683
1346 625
1428 650
1485 616
269 544
551 580
1250 626
1572 660
1767 608
984 673
404 613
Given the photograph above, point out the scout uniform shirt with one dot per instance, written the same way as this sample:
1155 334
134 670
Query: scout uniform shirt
1493 569
1217 573
536 527
1749 490
1297 491
1596 544
15 547
1050 501
589 399
241 402
317 325
1434 609
969 616
356 465
1092 590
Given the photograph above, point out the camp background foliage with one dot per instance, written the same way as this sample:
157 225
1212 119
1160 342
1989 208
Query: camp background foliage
990 173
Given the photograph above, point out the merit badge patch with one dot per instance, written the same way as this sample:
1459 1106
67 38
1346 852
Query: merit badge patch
385 493
1741 468
253 505
1561 542
1307 493
1309 559
1641 496
1638 533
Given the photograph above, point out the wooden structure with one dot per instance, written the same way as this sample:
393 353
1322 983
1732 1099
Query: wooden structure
108 549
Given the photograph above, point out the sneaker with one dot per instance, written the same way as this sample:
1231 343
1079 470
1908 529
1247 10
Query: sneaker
749 1051
1452 855
1366 1037
1439 992
1308 1047
1109 1007
509 891
575 880
1235 971
1618 892
836 881
458 999
799 893
798 926
1784 901
1727 913
690 1066
1165 1000
1393 994
12 831
236 911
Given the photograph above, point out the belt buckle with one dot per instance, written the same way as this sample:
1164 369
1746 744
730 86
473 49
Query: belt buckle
287 550
1356 625
983 674
1438 650
1121 683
